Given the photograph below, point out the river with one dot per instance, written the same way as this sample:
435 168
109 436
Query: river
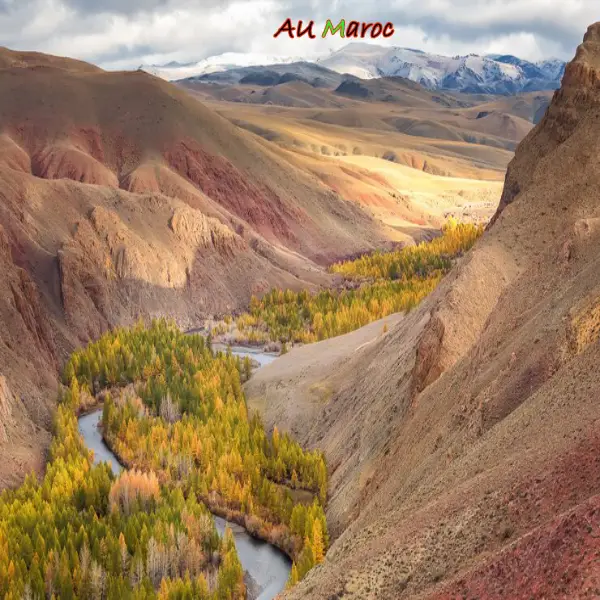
262 358
266 565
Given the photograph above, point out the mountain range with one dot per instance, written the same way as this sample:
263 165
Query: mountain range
474 74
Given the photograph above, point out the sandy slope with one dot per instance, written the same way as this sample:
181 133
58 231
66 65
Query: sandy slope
390 175
463 445
300 383
432 195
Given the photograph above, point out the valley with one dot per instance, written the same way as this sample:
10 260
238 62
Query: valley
371 287
176 428
334 324
186 205
266 568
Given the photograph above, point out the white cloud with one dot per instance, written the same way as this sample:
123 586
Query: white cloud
125 33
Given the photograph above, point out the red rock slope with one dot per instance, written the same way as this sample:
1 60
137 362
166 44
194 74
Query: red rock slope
121 196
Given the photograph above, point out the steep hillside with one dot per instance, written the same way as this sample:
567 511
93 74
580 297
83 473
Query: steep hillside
95 128
121 196
297 94
398 90
463 443
247 85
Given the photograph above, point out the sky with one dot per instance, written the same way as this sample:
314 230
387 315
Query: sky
123 34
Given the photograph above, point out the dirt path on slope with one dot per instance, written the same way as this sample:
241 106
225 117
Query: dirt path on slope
291 391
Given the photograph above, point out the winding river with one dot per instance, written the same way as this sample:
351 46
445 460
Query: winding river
268 567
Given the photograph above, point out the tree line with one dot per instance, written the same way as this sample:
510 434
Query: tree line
383 283
176 409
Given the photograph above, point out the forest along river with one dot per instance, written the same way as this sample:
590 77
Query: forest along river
266 565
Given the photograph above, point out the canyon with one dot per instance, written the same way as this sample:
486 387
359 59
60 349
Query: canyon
461 438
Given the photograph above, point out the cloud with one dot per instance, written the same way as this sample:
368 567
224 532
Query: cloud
126 33
135 7
466 20
131 7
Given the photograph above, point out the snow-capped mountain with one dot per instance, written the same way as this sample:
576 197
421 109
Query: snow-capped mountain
492 74
213 64
553 68
471 73
270 75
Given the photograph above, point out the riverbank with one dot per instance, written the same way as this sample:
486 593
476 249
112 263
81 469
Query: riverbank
253 526
264 582
270 549
225 336
245 521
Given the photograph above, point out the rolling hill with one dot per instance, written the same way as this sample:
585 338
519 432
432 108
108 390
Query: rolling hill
336 132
